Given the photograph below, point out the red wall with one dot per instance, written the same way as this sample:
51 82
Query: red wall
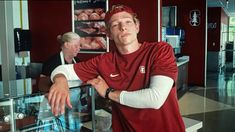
213 38
194 37
224 17
47 19
214 34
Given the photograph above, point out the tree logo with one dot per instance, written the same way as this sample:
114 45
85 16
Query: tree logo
194 18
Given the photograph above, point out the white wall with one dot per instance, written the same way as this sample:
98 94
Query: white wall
12 15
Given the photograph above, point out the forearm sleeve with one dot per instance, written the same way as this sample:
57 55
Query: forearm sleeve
152 97
69 73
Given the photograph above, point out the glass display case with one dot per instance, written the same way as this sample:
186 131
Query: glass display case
32 113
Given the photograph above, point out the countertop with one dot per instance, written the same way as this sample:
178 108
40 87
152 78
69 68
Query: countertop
192 125
182 60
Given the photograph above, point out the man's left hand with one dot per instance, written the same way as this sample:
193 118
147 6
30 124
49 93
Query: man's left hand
99 84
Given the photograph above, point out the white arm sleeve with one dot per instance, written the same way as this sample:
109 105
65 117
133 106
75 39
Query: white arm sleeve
68 72
153 97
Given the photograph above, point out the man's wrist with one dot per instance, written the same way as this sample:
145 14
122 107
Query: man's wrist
59 78
108 91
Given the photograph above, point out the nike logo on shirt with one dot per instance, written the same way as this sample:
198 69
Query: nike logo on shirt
114 75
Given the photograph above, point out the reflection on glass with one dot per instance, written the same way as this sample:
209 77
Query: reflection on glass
33 113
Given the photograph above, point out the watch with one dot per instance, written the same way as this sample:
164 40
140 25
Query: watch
108 91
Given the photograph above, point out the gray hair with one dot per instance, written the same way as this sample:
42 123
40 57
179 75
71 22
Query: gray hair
67 37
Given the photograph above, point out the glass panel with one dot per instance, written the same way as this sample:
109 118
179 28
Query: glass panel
33 113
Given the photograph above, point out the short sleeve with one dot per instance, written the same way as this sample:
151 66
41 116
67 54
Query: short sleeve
87 70
164 63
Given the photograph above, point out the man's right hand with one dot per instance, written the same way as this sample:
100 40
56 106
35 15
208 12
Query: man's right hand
59 95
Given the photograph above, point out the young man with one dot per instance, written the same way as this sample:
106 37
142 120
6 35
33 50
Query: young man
139 79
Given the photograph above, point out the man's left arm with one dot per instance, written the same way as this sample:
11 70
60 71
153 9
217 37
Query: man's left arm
152 97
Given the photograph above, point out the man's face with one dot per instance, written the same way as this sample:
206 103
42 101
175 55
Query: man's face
123 29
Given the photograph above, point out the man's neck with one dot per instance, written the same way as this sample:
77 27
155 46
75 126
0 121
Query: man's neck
130 48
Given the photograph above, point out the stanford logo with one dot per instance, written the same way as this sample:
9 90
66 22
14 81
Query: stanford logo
194 18
142 69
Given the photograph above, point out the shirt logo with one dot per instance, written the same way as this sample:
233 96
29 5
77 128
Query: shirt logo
142 69
114 75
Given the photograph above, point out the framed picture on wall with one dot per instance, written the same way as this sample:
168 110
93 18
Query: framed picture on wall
88 22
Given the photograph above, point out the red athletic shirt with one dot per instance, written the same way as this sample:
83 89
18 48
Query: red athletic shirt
132 72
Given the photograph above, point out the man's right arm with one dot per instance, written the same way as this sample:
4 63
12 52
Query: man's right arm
59 91
67 71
